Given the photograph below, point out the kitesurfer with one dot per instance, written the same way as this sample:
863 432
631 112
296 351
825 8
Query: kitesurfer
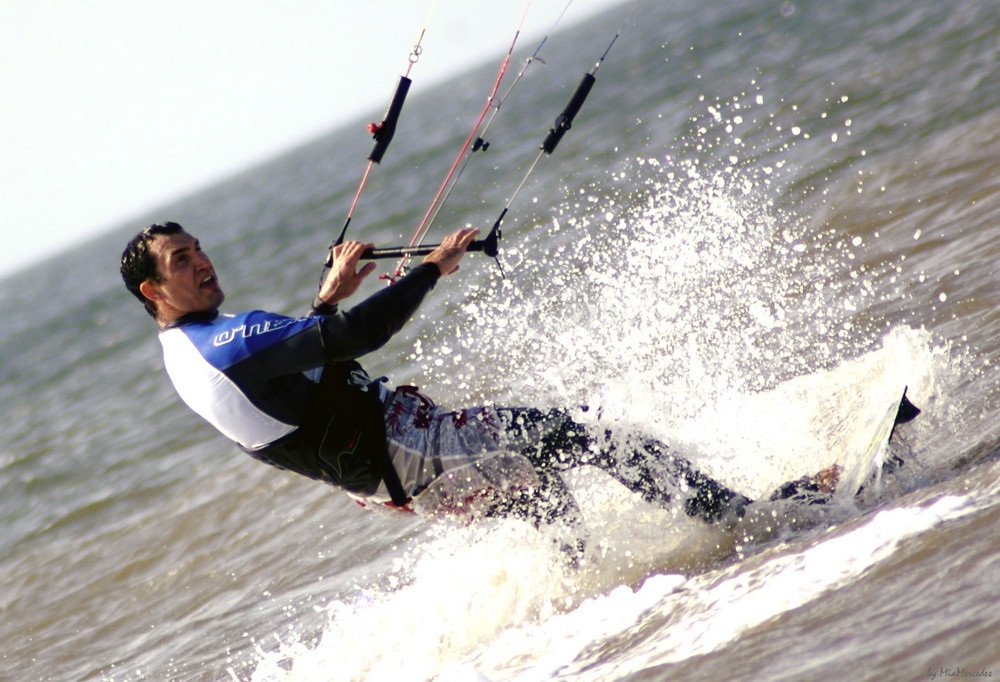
290 392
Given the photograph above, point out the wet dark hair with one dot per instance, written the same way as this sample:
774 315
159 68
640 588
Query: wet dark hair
138 264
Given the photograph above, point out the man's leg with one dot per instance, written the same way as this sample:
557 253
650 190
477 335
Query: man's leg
643 465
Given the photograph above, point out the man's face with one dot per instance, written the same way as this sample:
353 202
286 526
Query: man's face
187 278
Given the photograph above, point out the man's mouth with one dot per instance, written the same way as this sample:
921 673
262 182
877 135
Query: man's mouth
208 282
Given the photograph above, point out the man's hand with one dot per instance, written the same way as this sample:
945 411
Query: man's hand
344 278
447 255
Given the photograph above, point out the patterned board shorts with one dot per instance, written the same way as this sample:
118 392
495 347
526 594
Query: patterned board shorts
454 461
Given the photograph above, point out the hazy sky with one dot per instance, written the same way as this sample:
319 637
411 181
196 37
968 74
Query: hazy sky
109 108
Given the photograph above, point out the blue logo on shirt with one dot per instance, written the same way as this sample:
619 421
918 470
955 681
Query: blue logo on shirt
245 331
228 339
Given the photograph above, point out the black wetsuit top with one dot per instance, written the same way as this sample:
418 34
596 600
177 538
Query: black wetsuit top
289 390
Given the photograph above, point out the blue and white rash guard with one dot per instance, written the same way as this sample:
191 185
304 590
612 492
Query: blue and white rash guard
258 377
214 367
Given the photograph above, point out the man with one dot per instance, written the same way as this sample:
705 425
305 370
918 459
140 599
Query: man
290 392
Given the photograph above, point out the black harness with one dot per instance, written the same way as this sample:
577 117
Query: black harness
341 438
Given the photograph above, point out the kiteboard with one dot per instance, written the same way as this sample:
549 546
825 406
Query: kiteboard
866 469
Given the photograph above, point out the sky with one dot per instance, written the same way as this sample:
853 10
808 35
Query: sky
111 108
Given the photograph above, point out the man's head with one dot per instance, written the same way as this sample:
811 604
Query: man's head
164 267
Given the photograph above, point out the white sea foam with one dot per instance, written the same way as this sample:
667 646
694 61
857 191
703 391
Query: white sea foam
670 315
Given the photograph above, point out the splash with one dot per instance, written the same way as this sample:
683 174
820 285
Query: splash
457 593
670 619
442 599
666 289
674 298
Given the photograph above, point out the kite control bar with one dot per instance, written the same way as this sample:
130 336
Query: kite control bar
488 245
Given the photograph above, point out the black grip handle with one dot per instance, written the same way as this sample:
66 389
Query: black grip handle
384 131
565 120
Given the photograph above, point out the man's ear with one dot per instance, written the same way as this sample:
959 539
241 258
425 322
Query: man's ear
150 290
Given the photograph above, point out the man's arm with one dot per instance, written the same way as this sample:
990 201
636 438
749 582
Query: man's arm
370 324
365 327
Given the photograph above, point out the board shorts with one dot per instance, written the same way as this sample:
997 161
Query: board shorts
455 461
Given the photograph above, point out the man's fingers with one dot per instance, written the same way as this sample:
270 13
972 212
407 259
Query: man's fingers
451 250
467 235
357 248
350 252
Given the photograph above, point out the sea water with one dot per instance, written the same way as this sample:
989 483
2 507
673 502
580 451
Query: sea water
767 218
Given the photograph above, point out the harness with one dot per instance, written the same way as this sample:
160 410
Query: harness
341 438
